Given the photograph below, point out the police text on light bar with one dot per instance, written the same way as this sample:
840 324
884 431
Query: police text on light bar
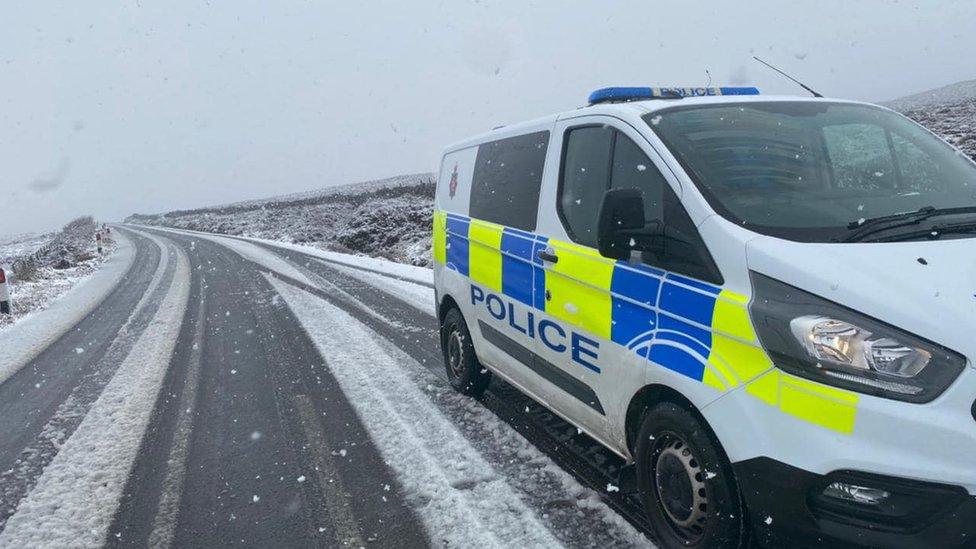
619 94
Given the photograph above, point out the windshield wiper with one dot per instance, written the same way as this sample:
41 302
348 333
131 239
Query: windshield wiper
934 233
861 229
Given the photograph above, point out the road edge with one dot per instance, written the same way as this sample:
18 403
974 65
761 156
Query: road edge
24 340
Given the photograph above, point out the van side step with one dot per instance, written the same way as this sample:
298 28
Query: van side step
627 479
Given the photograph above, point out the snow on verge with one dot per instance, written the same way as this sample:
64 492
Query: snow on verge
412 273
416 295
461 499
21 342
75 498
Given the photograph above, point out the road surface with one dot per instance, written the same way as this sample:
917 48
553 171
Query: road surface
237 393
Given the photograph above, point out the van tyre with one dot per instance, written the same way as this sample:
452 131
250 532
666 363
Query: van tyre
465 373
686 482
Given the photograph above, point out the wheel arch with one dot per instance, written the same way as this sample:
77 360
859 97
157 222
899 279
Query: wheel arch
646 398
447 303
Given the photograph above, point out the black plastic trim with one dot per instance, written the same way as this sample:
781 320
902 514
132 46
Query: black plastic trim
552 373
786 509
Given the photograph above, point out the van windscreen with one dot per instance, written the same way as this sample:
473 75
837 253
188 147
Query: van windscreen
506 181
810 170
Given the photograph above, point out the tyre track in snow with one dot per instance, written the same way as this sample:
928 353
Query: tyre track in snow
43 403
265 425
213 507
414 332
75 497
460 497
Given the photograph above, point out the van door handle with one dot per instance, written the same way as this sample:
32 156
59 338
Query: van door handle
548 255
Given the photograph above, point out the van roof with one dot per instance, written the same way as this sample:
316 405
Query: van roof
626 110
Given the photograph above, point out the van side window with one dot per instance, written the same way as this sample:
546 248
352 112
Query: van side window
632 169
584 178
684 252
597 158
506 180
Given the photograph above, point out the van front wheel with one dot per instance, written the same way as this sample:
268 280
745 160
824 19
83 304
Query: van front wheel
464 372
686 482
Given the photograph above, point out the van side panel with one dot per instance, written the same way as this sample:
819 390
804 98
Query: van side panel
450 220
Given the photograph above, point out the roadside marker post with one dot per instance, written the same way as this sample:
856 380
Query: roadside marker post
98 241
4 293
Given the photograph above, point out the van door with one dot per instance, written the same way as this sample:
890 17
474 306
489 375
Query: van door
502 248
603 311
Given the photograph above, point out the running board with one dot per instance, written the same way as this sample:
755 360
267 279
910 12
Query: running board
627 479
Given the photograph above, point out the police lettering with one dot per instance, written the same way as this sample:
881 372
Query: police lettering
583 350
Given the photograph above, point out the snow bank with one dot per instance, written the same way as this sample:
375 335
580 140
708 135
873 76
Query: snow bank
22 341
75 498
417 295
419 275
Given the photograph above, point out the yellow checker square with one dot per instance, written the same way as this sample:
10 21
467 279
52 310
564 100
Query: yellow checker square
828 407
731 316
713 380
484 253
742 361
766 388
579 285
440 236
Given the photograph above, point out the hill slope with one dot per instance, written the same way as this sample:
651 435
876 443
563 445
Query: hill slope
385 218
953 93
949 111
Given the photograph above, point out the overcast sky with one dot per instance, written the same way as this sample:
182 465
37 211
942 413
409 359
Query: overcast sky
151 106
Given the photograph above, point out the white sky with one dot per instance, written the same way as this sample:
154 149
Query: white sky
151 106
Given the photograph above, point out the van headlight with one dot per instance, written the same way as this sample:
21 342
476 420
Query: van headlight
811 337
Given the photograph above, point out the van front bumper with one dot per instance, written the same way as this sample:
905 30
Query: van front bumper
788 507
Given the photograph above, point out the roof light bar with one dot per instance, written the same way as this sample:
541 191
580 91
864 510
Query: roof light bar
623 94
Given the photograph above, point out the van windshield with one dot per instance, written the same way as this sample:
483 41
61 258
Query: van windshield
814 171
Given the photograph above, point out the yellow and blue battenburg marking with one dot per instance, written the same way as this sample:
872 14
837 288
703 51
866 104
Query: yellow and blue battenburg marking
698 330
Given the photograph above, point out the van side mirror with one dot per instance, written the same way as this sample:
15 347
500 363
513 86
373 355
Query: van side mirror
621 227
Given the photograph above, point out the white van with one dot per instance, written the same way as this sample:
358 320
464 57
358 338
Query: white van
768 304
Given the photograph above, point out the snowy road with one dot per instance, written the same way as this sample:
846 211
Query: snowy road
237 393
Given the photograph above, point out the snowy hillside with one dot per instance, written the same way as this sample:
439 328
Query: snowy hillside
949 111
15 246
388 218
955 122
946 95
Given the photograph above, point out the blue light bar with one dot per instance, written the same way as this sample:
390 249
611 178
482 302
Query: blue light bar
620 94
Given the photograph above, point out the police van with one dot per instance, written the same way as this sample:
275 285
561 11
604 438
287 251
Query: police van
766 304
